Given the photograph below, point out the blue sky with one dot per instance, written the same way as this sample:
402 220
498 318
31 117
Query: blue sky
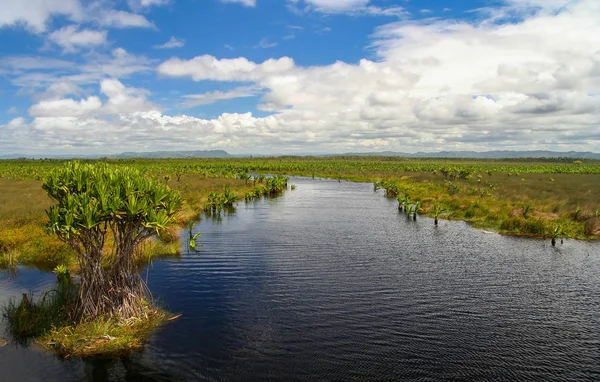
298 76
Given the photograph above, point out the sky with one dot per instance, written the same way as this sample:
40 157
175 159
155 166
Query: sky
82 77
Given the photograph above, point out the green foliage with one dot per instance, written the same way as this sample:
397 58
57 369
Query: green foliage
192 236
245 177
437 210
90 196
62 274
217 201
392 188
94 200
29 318
403 201
452 187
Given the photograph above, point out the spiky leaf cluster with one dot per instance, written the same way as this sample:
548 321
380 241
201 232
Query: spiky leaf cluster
89 195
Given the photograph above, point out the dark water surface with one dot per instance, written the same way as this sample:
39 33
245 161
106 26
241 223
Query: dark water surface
330 282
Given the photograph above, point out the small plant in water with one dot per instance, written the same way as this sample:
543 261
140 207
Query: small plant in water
556 232
293 187
416 209
192 236
437 210
62 274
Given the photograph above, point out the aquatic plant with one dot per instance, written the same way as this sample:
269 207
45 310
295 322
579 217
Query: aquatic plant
555 233
94 201
245 177
192 236
403 201
437 210
416 209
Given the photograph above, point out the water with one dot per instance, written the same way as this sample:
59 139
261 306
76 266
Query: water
330 282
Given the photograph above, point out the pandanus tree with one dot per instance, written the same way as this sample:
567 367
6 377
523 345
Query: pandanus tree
416 209
403 201
556 232
245 177
409 210
437 210
96 202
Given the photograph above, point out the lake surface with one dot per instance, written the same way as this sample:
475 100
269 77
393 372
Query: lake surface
330 282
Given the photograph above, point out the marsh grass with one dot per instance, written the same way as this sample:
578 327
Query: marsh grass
512 206
29 317
47 321
488 199
24 239
103 336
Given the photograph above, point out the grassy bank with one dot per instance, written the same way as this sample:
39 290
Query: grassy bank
524 204
23 238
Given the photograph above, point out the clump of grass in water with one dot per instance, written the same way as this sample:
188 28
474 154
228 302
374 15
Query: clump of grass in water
29 318
48 321
103 336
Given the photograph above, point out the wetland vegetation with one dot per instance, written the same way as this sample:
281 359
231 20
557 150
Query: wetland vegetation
552 198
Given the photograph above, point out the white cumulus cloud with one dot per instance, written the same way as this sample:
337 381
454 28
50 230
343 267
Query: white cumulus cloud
35 14
172 43
71 39
531 83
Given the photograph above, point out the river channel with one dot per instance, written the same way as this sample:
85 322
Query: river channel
331 282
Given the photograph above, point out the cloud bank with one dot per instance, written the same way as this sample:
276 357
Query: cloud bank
433 84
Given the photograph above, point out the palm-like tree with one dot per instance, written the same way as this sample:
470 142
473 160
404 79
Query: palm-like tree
245 177
556 233
403 202
416 208
409 210
437 210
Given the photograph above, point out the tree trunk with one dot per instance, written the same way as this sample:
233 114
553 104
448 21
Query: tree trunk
435 221
553 242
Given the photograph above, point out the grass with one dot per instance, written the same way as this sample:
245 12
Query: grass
47 321
103 336
525 205
23 238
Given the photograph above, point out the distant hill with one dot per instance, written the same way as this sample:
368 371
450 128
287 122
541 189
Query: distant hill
176 154
496 154
14 156
127 155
